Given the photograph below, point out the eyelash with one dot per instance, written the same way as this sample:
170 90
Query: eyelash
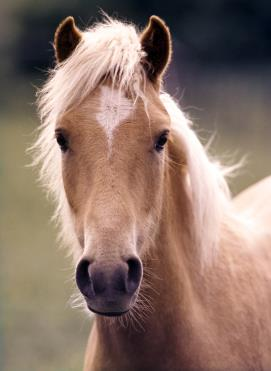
161 141
62 141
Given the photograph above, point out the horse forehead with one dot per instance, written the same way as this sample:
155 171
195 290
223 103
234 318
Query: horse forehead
113 108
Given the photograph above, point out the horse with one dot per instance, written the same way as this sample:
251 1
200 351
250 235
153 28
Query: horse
176 270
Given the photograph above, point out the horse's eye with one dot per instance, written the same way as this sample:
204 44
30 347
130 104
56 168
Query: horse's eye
161 141
62 141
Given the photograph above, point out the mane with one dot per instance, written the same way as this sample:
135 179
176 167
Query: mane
207 187
112 49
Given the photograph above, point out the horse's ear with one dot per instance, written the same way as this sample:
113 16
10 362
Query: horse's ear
156 42
67 37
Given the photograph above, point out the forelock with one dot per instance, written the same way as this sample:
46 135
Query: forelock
108 50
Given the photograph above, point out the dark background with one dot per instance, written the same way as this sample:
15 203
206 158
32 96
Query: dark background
208 33
220 74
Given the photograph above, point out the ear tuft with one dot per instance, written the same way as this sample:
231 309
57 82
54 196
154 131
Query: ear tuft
156 42
67 37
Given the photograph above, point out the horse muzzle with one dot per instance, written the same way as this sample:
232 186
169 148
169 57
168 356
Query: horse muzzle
110 288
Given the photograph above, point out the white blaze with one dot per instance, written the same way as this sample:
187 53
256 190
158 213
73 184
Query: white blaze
114 108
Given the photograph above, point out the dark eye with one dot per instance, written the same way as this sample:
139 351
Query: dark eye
62 140
161 141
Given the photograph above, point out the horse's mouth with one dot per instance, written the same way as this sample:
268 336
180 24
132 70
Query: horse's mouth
110 306
108 314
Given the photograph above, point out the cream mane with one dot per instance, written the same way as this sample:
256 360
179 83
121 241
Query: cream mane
112 49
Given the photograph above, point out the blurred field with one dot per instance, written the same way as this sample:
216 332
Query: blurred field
38 329
41 331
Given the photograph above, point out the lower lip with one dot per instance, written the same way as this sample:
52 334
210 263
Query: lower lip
108 314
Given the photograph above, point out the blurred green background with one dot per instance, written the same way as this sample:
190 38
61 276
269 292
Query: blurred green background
221 74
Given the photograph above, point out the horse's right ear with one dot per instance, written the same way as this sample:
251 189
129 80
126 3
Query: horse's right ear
67 37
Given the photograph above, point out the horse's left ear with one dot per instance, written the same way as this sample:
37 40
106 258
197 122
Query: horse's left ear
67 37
156 42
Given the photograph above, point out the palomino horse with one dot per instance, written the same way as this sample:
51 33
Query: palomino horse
177 272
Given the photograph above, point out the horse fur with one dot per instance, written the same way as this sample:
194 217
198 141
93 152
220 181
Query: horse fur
204 301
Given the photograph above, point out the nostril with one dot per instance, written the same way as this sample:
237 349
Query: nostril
82 277
134 274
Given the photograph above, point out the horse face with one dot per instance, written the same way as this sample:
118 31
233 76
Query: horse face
113 153
113 159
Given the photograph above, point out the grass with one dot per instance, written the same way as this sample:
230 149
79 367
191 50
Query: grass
38 329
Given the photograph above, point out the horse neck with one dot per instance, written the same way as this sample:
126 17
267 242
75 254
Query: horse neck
169 289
